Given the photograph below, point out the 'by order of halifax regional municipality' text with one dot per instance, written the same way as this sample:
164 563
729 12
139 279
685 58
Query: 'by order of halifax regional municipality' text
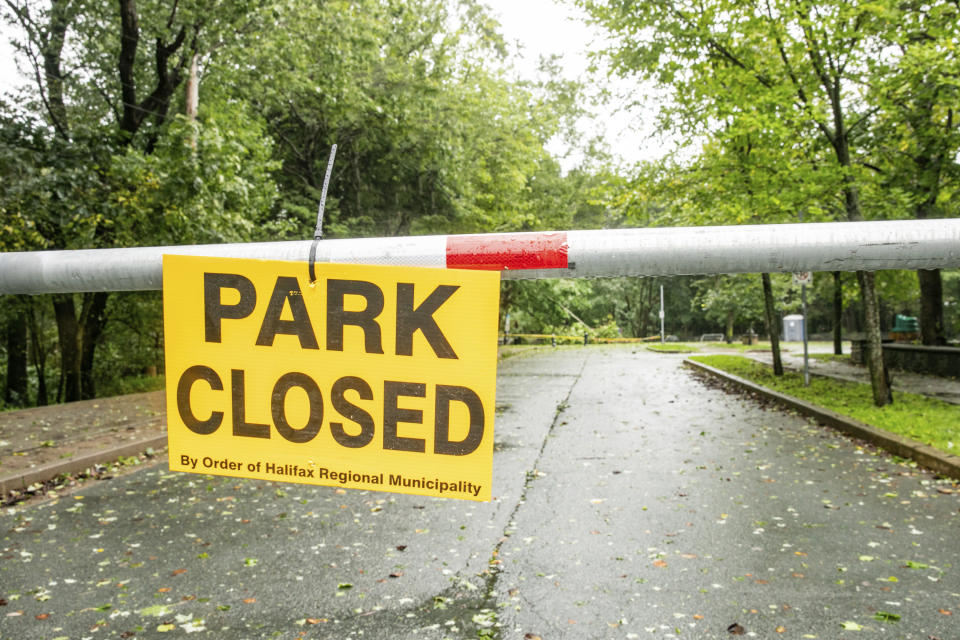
330 476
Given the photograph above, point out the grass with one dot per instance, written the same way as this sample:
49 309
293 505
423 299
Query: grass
673 347
737 346
688 347
927 420
830 357
132 384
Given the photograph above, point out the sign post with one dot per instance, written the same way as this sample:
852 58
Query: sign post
662 316
371 377
803 278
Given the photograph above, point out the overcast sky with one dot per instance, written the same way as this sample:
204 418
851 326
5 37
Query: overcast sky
544 27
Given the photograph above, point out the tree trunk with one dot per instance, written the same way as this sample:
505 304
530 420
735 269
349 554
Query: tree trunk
506 303
15 391
837 313
879 380
729 326
931 307
39 358
773 329
646 296
930 166
93 320
192 99
68 336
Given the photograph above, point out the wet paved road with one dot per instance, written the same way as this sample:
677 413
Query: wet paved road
631 501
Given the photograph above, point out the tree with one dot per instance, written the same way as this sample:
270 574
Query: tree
770 321
729 300
97 107
797 61
748 173
915 90
15 337
431 136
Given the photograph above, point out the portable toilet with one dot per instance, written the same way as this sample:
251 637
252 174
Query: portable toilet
793 328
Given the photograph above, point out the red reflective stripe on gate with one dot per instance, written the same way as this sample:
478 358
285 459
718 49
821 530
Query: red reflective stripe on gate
508 251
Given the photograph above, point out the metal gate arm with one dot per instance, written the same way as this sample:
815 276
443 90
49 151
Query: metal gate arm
833 246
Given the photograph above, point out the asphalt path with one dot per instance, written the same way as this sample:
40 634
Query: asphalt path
631 500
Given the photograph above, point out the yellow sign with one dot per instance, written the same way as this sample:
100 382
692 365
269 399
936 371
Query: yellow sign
379 378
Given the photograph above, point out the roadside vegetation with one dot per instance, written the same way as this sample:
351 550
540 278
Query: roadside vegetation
688 347
830 357
924 419
674 347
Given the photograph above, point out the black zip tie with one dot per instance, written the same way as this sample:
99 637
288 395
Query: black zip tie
318 232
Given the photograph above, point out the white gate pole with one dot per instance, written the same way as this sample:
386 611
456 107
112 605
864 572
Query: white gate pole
835 246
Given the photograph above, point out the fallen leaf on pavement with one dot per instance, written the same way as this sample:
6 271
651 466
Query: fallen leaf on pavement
736 629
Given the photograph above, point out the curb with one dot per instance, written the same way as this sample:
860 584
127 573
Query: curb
49 472
943 463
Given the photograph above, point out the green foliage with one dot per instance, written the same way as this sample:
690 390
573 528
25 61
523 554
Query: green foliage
140 383
802 107
830 357
927 420
607 307
730 301
916 93
673 347
951 292
207 181
431 136
564 307
135 327
25 190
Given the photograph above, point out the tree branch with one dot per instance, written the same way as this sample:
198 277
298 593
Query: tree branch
23 16
839 139
724 52
168 77
872 167
798 86
862 119
110 104
173 14
129 40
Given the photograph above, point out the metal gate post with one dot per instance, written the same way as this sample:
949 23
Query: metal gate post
834 246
